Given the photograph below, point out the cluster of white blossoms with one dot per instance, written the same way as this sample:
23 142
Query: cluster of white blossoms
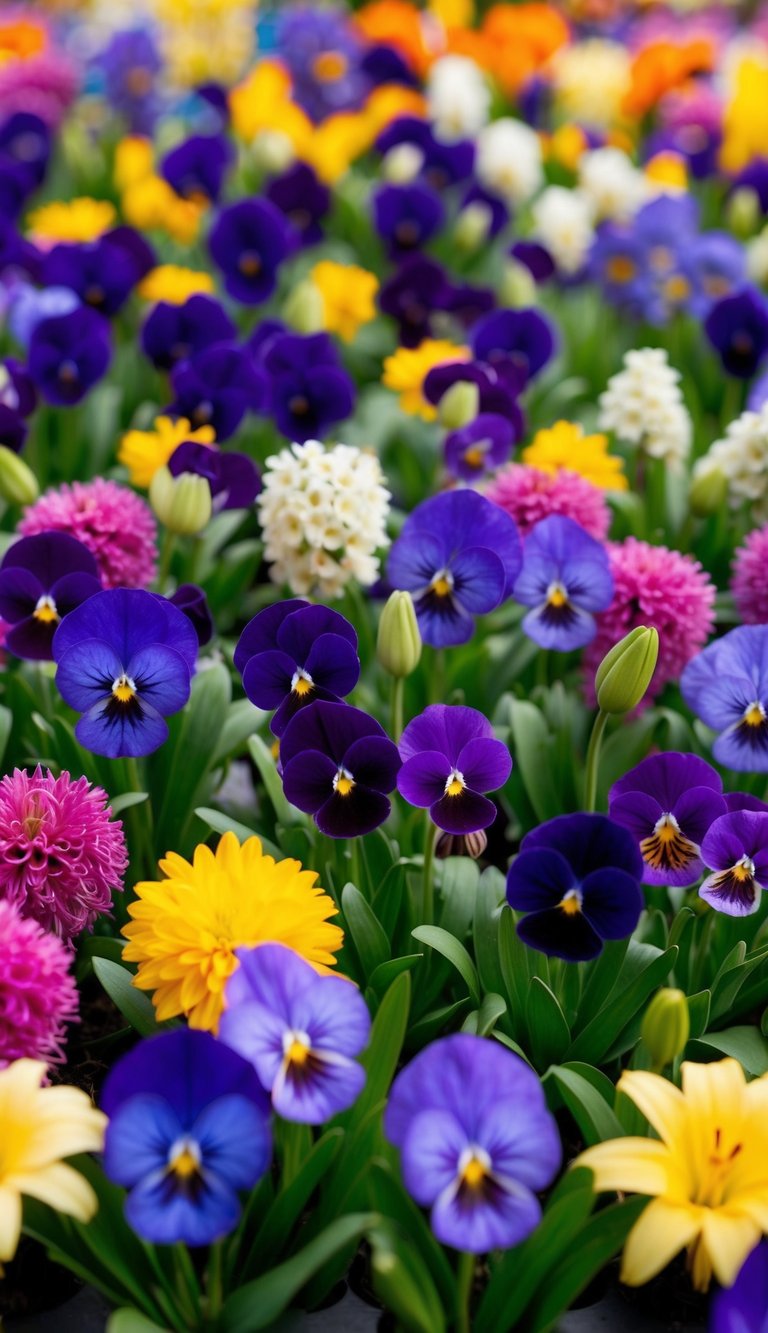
323 514
643 405
562 221
458 97
509 159
613 184
742 458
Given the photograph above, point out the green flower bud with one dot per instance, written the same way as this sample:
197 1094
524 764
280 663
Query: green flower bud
472 226
459 405
18 484
304 310
272 151
625 672
399 643
666 1026
183 504
709 491
743 211
518 288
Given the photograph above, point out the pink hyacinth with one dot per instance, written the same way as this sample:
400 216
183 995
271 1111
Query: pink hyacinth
116 525
62 856
45 84
748 580
38 995
528 495
657 587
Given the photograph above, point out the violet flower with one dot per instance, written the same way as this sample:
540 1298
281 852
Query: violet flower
450 759
669 802
42 579
736 850
566 579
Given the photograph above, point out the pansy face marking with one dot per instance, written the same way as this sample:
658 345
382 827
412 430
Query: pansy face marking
667 848
752 730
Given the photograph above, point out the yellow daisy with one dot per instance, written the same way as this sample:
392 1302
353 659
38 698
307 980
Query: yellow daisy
186 928
144 451
349 296
74 220
174 284
407 368
565 446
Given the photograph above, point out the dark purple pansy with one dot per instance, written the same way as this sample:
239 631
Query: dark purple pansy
293 653
125 658
737 327
514 340
308 389
300 1029
668 802
233 478
217 387
479 447
741 800
18 256
196 168
496 209
68 354
494 394
173 333
17 391
42 579
13 429
26 140
338 766
736 850
248 242
102 273
407 216
726 685
191 599
459 555
566 579
450 759
443 163
536 259
477 1142
467 303
577 878
743 1308
412 295
302 199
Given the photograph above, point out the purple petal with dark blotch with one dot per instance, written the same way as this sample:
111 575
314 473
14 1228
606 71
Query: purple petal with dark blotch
559 935
485 764
612 902
421 780
538 879
466 813
350 816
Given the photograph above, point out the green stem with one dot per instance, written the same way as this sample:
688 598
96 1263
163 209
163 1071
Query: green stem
166 555
464 1279
187 1288
593 761
355 864
215 1284
428 888
141 823
398 690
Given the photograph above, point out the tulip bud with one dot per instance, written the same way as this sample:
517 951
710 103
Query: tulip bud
304 309
18 484
473 226
459 405
709 491
518 287
402 163
666 1026
461 844
183 504
625 672
399 643
743 211
272 151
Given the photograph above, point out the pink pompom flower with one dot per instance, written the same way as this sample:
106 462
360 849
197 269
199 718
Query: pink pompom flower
529 495
661 588
38 995
116 525
749 584
62 856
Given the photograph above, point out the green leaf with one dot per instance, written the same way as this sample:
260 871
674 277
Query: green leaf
242 720
285 813
485 929
599 1036
698 1012
452 949
388 1196
548 1031
489 1013
258 1303
514 959
588 1095
385 973
458 887
284 1215
402 1283
130 1321
383 1051
180 769
6 723
368 935
126 800
745 1044
532 747
133 1004
601 977
434 1022
221 823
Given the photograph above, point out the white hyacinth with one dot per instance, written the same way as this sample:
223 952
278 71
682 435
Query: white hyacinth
323 514
458 97
562 221
509 159
742 457
613 184
643 405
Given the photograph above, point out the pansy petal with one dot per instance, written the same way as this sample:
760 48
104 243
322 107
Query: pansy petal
350 816
160 1212
414 560
637 811
20 591
466 813
72 589
612 903
479 580
133 733
374 762
485 764
86 672
256 1032
162 677
430 1153
522 1144
496 1219
560 935
333 662
301 630
31 640
422 778
267 678
334 1014
139 1137
315 1091
538 879
235 1140
443 624
308 780
568 628
261 633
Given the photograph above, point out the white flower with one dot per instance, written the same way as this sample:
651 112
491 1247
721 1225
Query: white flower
742 457
591 79
614 186
562 221
323 514
643 405
458 97
509 159
402 163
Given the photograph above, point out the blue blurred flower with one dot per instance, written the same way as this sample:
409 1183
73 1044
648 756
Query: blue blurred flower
726 685
102 273
308 389
68 354
407 216
479 447
248 242
174 333
233 478
743 1308
514 341
196 168
302 199
128 68
737 328
566 579
413 295
217 387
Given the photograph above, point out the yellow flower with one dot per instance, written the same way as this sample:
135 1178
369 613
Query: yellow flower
263 102
348 294
174 284
149 204
567 145
75 220
186 928
134 161
745 116
406 370
667 170
337 142
708 1171
565 447
38 1127
144 451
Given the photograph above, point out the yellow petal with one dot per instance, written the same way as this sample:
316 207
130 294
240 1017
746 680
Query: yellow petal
10 1222
728 1239
640 1166
662 1104
60 1187
660 1232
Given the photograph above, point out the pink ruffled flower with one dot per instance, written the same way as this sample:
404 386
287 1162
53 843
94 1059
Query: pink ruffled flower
749 584
528 495
658 587
116 525
62 856
45 84
38 995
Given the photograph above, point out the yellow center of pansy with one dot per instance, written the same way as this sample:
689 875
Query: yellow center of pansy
754 716
297 1048
455 784
329 66
343 782
570 903
474 1167
124 689
45 611
184 1159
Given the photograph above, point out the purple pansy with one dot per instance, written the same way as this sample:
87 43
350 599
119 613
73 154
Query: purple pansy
736 850
196 168
450 759
173 333
459 555
412 295
577 878
513 341
192 600
536 259
477 1142
566 579
233 478
103 272
338 766
479 447
407 216
217 387
495 395
125 658
188 1130
293 653
726 685
737 327
743 1308
443 163
248 242
68 354
300 1029
42 579
308 389
302 199
668 802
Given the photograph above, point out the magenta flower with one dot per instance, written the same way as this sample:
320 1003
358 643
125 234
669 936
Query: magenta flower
748 582
529 495
62 856
117 527
450 758
38 995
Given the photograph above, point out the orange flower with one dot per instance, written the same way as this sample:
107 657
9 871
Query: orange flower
21 38
521 38
397 23
662 66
